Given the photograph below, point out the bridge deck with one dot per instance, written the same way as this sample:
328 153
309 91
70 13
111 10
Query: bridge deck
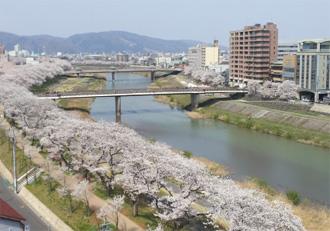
74 72
138 92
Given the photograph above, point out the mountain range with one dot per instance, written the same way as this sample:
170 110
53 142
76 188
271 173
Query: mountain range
110 41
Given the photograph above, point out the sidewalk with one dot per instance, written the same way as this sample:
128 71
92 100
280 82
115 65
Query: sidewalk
95 202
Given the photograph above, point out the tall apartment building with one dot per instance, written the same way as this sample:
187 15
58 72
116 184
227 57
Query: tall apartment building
252 50
203 56
314 67
286 49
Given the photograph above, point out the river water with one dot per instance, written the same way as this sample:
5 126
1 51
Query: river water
284 164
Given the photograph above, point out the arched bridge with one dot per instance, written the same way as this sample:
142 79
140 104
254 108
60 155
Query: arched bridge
193 92
152 71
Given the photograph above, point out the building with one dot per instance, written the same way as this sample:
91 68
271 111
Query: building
210 55
204 56
10 219
19 52
286 49
163 61
252 50
194 57
122 58
276 70
289 68
314 67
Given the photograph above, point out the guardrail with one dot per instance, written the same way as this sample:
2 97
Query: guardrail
145 91
28 178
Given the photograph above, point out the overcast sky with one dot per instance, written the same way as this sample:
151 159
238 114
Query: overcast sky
202 20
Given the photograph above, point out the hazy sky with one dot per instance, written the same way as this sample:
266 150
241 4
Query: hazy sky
170 19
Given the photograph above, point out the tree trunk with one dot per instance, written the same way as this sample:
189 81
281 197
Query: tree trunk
70 204
136 208
117 220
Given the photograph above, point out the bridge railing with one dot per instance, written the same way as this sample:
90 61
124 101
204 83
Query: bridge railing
72 72
128 91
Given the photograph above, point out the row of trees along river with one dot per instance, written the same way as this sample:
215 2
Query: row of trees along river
284 164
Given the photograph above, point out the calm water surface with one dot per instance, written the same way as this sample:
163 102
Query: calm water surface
284 164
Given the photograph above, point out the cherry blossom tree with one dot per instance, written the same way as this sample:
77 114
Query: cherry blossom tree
116 205
116 154
207 77
81 191
269 90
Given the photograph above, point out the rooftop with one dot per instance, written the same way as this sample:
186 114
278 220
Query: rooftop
7 212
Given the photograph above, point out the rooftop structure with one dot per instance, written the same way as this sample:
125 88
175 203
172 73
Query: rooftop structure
10 219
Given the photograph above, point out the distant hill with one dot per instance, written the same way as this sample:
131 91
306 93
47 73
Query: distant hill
111 41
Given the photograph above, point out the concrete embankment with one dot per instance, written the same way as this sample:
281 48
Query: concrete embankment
299 121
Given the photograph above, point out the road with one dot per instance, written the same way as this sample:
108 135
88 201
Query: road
6 193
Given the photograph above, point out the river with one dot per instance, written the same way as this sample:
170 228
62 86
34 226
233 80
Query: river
284 164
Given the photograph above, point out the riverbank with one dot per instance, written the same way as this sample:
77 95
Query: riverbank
261 120
296 124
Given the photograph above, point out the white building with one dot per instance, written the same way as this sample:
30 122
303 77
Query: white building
204 56
314 67
163 61
18 52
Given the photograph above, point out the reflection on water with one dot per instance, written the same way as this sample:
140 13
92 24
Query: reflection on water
284 164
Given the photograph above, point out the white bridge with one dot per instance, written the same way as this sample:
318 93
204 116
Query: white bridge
193 92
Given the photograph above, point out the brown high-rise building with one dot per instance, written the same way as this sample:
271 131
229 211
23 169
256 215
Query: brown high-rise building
252 50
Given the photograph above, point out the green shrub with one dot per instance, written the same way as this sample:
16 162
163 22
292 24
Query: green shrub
289 135
226 118
187 154
293 197
249 123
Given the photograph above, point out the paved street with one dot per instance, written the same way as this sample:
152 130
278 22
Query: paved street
6 193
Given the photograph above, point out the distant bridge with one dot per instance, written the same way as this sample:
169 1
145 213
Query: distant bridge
152 71
193 92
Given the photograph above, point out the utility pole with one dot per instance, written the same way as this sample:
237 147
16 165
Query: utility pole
13 140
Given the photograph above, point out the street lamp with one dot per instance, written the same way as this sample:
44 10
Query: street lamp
13 140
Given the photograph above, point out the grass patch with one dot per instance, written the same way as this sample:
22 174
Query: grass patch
264 186
60 206
187 154
269 127
23 163
294 197
37 89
